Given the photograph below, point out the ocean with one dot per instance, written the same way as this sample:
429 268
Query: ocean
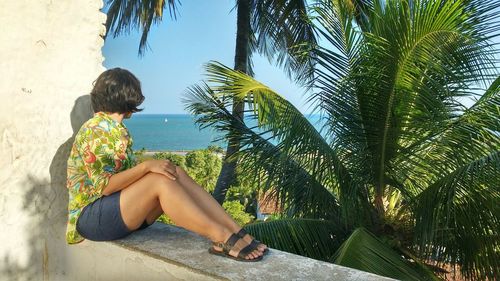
174 132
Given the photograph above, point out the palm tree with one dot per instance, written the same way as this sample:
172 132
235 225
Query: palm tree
126 15
403 178
274 28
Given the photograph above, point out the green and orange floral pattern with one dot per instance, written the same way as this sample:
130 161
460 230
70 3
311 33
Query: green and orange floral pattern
101 148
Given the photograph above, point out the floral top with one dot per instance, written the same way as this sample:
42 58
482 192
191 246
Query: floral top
102 147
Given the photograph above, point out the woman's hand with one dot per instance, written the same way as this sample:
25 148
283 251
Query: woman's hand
164 167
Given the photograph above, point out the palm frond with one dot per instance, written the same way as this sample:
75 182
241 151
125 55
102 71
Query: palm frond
337 93
127 15
490 93
458 218
292 184
286 36
296 136
363 251
463 139
431 50
416 60
317 239
461 205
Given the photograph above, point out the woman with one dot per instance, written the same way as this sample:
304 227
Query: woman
111 196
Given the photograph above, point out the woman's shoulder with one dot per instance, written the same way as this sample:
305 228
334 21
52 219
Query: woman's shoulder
100 127
91 128
99 124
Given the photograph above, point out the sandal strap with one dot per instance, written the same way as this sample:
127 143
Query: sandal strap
229 244
255 243
243 253
243 232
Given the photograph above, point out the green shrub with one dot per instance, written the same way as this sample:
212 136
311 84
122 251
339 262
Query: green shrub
177 159
215 149
204 167
140 155
165 219
236 210
244 189
140 152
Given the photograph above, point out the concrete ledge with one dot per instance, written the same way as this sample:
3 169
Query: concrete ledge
170 253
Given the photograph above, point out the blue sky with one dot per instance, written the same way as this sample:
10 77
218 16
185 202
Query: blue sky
203 31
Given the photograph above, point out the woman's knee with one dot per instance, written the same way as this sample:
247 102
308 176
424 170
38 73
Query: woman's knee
183 175
161 181
180 170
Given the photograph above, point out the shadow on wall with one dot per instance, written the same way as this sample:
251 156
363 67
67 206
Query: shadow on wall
46 205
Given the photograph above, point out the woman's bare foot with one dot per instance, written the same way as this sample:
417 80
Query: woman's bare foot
249 238
238 245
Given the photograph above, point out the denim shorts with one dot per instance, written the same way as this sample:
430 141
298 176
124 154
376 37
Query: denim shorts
101 220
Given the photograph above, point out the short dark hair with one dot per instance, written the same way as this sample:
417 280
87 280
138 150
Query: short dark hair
116 90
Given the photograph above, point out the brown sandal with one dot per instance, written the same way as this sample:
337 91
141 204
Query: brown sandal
255 242
229 245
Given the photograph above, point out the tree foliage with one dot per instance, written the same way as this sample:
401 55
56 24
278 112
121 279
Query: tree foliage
399 154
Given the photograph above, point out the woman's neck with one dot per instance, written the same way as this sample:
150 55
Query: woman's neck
118 117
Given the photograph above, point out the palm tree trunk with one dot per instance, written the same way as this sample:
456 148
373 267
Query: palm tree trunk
242 53
379 202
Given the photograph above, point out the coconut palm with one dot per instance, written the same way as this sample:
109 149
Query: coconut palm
274 28
124 16
403 178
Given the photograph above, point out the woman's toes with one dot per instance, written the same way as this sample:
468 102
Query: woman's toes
257 253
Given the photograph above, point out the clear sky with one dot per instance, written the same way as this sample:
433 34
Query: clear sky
203 31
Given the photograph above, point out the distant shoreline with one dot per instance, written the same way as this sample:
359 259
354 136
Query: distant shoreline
150 153
178 152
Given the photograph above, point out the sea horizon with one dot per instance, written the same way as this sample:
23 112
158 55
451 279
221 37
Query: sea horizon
174 132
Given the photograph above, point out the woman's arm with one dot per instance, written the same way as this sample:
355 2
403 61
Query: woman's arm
123 179
103 150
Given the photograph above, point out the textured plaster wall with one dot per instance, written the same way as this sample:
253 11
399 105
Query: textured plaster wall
50 52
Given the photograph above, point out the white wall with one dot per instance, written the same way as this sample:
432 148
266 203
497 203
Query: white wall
50 53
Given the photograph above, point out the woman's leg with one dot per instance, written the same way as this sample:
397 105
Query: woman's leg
206 201
142 197
154 214
209 204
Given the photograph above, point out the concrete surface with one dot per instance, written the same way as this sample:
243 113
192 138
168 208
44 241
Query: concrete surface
176 246
109 261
